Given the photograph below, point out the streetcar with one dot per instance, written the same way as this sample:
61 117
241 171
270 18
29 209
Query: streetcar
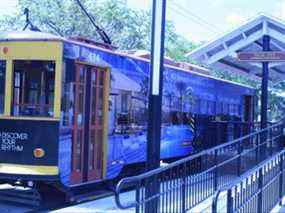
74 112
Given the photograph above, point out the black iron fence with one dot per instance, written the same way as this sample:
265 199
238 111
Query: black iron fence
187 182
258 190
219 132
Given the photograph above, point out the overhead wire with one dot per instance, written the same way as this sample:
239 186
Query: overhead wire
178 9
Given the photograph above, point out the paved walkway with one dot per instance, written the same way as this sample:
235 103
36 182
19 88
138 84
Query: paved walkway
104 205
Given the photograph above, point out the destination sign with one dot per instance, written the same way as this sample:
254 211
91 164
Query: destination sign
262 56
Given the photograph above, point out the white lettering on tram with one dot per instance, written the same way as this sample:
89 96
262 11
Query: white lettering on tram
9 141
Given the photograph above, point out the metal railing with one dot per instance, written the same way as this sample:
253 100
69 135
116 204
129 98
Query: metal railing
186 183
219 132
258 190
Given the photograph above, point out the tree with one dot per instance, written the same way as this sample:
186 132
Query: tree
177 46
127 28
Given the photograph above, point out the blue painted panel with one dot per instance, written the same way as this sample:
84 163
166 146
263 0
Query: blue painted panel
64 163
183 92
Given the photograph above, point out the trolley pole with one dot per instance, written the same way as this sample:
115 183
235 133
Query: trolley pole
155 98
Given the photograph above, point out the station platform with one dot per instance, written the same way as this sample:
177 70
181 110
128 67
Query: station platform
108 205
104 205
278 208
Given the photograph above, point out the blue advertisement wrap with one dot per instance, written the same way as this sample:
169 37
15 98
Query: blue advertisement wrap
186 96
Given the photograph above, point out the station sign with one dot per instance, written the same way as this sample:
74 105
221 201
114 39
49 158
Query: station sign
265 56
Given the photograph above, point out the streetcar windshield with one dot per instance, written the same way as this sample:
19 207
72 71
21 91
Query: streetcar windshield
2 84
33 88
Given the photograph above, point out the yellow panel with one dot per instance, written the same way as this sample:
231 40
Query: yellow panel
28 118
28 169
106 119
58 82
8 87
31 50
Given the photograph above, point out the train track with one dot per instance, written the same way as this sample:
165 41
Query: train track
14 197
18 199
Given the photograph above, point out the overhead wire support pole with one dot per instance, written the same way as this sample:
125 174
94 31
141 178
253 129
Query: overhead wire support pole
155 99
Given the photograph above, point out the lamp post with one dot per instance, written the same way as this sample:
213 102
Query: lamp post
155 99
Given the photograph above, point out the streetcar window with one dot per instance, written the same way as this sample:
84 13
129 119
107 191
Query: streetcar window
125 101
33 91
2 84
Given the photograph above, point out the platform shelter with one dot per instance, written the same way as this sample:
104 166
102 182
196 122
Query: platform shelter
255 49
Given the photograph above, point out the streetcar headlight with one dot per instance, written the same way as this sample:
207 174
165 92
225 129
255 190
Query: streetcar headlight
5 50
39 152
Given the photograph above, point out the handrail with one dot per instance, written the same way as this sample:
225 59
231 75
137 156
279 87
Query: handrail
157 171
241 178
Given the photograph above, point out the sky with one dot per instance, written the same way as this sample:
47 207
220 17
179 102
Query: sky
8 6
200 20
203 20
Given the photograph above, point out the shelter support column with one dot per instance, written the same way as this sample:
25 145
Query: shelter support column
264 85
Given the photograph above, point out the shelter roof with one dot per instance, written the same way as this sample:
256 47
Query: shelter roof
221 53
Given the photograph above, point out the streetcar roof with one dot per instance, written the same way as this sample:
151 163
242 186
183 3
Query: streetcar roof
42 36
28 36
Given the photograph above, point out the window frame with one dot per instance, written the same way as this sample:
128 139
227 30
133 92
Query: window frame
3 100
45 50
26 88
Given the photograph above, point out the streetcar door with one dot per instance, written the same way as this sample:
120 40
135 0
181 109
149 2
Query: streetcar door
78 124
89 120
96 134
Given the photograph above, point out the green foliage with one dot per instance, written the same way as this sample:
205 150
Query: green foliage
177 46
276 100
127 28
236 78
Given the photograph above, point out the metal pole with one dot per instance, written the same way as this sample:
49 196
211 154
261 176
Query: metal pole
229 201
264 86
260 189
281 180
155 97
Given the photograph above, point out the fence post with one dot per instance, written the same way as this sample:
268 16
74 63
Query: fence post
216 171
271 140
229 201
239 158
184 188
138 198
281 180
257 150
260 187
251 129
281 136
218 126
279 139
